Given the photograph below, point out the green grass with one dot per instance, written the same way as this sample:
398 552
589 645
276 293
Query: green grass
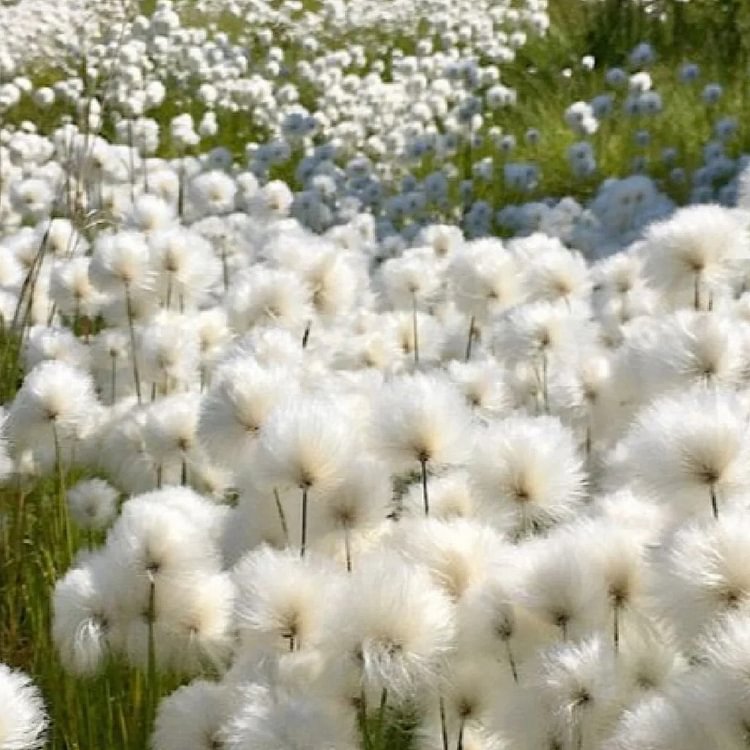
38 542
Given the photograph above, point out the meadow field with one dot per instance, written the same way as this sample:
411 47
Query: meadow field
375 375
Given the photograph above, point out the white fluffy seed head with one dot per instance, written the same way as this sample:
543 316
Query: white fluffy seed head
527 473
93 503
192 717
304 444
420 418
691 451
282 600
23 720
398 629
690 256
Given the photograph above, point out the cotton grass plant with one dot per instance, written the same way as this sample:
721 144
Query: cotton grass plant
347 403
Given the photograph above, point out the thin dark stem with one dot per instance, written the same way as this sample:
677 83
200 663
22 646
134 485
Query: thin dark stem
224 269
460 743
714 501
697 291
153 691
425 495
381 717
181 192
347 548
562 623
616 627
184 473
282 515
61 500
362 712
303 540
511 660
131 328
470 338
306 334
443 725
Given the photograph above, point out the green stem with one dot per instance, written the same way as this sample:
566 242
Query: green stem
381 719
134 353
152 690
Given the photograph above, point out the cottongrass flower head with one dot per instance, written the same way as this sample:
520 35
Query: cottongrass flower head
93 503
305 444
84 615
703 575
54 404
235 408
23 720
542 336
282 600
269 719
576 684
451 496
556 584
419 421
359 503
121 262
657 723
458 553
397 630
691 255
527 473
692 451
193 716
